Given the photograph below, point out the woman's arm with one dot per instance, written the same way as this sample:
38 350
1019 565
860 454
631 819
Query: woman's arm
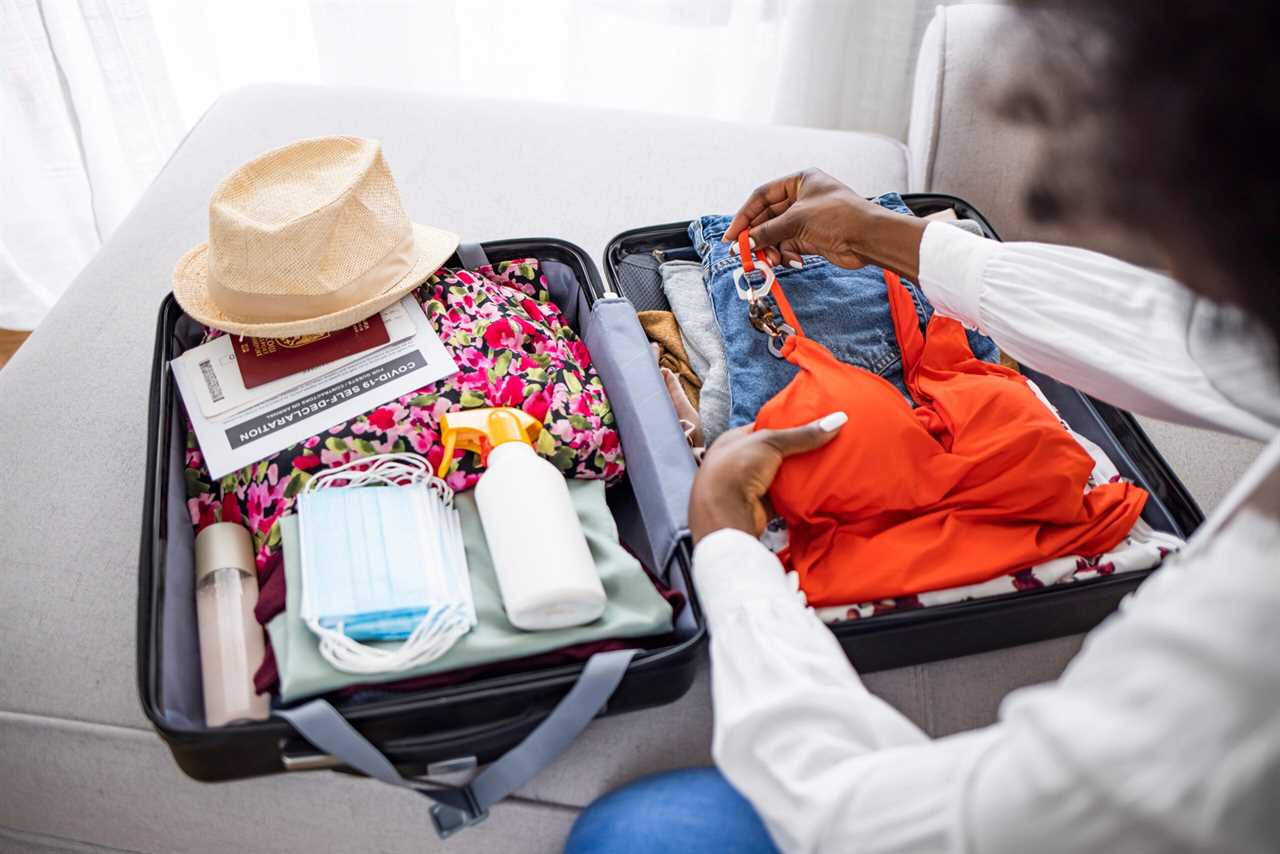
822 760
1161 736
1116 331
828 766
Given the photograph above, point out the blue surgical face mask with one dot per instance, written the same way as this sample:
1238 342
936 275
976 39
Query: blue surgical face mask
382 563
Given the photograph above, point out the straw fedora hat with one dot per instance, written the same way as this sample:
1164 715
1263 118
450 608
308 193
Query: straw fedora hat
305 239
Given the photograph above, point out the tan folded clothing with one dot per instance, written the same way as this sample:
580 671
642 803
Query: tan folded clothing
662 329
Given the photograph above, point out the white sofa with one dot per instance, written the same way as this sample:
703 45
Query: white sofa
80 767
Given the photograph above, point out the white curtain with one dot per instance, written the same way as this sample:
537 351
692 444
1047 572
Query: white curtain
87 117
96 93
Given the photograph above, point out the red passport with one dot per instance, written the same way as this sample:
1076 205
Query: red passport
262 360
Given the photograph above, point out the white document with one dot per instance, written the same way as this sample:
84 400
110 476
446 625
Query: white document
212 372
327 396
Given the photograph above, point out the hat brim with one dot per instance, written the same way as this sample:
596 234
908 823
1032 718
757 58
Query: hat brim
191 289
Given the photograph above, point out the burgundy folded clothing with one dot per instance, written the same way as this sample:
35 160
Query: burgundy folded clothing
568 655
271 589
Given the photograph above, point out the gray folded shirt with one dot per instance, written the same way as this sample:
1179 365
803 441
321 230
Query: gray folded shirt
687 294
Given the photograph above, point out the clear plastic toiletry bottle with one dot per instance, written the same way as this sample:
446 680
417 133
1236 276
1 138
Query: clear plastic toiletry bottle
231 644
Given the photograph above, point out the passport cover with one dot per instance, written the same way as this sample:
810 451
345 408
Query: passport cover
262 360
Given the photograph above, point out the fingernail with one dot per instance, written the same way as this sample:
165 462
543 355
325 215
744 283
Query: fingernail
796 265
733 248
833 422
752 241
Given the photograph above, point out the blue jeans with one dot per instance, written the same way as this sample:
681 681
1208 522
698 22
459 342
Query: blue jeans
694 811
846 311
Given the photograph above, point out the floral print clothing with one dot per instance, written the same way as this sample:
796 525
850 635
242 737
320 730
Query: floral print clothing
1144 548
513 348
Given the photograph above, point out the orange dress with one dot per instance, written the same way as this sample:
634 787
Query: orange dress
978 480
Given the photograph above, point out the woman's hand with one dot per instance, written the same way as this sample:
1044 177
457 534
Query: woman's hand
738 469
811 213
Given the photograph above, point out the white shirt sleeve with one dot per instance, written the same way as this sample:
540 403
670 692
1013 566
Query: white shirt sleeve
1162 736
1116 331
824 761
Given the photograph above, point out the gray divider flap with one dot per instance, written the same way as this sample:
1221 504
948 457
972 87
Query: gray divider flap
566 292
181 691
659 463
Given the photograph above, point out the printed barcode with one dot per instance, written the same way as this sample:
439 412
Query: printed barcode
211 380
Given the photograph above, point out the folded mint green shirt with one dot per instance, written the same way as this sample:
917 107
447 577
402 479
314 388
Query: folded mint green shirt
635 608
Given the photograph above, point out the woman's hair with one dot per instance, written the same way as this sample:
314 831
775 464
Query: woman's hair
1162 117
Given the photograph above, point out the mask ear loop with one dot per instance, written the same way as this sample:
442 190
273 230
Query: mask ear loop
435 635
386 469
439 629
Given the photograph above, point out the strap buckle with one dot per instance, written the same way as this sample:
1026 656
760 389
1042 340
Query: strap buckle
761 315
778 341
749 292
448 819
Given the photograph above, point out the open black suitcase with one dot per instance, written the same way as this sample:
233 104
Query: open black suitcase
520 722
904 637
444 731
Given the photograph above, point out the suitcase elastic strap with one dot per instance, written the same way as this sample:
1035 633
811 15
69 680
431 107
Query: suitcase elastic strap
472 255
457 808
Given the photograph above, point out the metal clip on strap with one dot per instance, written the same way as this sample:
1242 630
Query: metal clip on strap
458 808
762 316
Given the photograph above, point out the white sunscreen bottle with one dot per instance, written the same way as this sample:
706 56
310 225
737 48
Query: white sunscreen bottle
546 574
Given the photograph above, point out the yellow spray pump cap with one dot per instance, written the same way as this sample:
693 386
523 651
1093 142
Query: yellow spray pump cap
480 430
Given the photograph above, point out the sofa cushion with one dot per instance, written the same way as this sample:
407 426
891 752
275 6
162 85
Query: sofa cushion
69 782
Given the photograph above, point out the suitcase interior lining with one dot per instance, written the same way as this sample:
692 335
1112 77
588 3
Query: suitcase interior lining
180 694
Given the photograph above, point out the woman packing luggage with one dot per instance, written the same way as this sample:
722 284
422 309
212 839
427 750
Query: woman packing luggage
1164 733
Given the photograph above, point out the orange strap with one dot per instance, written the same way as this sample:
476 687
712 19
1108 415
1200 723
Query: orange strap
784 306
906 324
744 251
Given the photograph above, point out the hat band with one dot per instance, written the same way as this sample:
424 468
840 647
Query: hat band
248 307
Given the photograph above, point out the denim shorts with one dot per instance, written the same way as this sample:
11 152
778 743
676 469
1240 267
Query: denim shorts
846 311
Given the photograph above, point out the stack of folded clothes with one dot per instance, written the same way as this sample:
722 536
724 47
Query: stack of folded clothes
721 374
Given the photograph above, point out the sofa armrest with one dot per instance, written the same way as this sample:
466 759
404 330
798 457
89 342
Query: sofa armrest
957 145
